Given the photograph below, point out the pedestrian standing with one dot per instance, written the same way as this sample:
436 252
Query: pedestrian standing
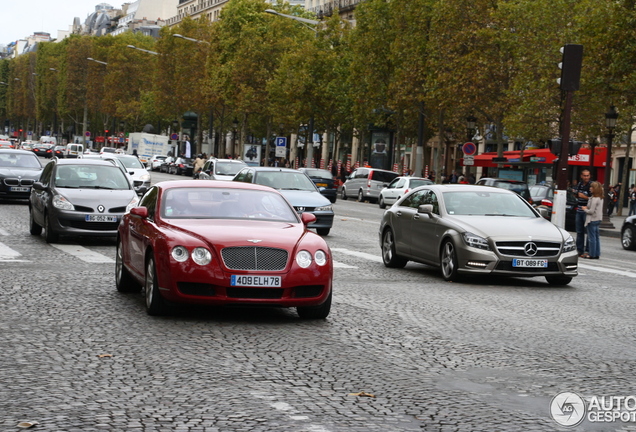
582 192
611 200
632 200
594 215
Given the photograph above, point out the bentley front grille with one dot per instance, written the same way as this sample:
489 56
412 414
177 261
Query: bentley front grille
254 258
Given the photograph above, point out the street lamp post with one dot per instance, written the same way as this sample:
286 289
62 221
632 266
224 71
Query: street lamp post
610 122
142 50
306 23
470 127
235 125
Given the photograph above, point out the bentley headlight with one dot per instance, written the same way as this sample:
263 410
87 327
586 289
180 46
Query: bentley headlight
179 253
303 259
320 257
324 208
473 240
569 244
201 256
133 203
62 203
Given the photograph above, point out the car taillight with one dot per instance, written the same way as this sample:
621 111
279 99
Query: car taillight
406 191
546 202
181 165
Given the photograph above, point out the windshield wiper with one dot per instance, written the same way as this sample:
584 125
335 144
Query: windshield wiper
501 214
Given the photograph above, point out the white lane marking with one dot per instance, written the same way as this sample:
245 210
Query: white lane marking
83 253
343 265
608 270
348 218
290 410
4 232
8 254
364 255
377 259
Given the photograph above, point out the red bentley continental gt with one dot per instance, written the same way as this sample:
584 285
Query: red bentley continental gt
222 243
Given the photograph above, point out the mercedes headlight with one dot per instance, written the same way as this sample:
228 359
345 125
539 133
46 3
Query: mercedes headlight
62 203
303 259
569 244
201 256
473 240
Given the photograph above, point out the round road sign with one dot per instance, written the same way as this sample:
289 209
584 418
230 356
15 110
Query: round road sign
469 149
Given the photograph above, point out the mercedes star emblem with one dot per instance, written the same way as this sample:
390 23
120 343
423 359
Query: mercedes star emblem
530 248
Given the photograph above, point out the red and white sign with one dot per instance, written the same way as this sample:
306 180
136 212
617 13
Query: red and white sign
469 149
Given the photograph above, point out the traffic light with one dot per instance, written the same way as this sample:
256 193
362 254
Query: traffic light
106 131
570 66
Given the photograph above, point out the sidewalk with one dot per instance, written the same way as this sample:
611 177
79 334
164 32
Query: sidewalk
618 223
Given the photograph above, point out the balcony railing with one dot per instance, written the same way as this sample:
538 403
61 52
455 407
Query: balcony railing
329 7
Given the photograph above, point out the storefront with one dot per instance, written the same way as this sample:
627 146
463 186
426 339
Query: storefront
538 165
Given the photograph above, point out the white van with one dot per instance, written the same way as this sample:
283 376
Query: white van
74 151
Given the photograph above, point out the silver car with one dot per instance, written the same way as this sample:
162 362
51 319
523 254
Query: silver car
79 197
476 230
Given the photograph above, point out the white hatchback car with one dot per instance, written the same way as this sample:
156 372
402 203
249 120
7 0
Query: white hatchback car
155 162
398 188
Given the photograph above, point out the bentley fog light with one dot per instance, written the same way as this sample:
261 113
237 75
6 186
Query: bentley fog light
201 256
179 253
303 259
476 241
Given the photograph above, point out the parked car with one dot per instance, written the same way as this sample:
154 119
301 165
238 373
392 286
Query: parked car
166 164
182 166
18 170
221 169
324 181
398 188
628 233
468 230
366 183
222 243
41 149
79 197
155 162
543 197
299 190
517 186
27 145
6 144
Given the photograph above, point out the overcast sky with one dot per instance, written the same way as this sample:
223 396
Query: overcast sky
20 19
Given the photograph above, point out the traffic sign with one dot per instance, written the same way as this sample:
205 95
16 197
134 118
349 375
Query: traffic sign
174 136
121 134
281 146
469 160
469 149
87 133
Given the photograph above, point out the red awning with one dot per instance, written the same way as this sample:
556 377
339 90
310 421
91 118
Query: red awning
541 156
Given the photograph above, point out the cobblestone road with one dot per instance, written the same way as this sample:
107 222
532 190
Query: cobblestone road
489 355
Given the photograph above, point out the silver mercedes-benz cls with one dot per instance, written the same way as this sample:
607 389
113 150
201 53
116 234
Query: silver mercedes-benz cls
476 230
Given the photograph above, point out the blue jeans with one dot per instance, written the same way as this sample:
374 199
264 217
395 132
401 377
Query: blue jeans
632 208
580 231
593 237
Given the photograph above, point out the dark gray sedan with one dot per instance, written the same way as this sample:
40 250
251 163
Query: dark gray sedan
18 170
476 230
